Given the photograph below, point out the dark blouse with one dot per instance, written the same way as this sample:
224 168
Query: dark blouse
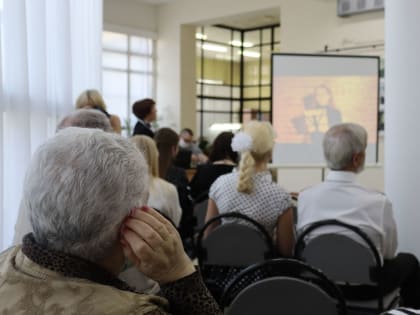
178 177
205 176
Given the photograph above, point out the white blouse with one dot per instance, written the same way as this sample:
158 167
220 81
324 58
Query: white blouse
163 197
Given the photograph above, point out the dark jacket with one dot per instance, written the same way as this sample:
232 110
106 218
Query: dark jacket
141 129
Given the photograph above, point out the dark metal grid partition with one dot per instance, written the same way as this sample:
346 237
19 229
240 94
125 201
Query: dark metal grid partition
238 106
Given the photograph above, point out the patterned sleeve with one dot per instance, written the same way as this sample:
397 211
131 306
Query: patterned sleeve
282 200
213 188
188 296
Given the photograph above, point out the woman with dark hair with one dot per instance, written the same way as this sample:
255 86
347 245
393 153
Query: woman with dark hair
222 160
167 143
145 111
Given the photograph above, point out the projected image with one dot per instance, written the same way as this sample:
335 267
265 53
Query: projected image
319 114
311 93
307 107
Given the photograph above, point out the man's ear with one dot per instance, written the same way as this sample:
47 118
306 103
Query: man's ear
357 159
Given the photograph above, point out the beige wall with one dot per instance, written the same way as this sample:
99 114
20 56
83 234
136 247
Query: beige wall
132 15
306 26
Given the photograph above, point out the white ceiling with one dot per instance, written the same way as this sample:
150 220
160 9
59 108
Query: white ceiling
252 19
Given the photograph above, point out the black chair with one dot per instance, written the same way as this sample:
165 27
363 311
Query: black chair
354 265
200 210
282 286
229 248
402 311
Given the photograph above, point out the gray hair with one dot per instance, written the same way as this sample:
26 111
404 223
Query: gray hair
86 118
341 142
79 187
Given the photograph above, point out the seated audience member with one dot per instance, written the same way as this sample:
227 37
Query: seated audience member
167 143
186 143
340 197
93 99
163 195
85 118
251 191
222 160
145 111
83 190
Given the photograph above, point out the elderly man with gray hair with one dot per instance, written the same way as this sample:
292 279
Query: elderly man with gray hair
340 197
84 118
85 190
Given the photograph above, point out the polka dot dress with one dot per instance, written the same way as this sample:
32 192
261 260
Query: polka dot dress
264 204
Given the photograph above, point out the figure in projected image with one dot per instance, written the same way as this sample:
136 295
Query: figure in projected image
319 114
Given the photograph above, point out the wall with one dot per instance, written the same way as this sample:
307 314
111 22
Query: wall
402 153
129 14
306 26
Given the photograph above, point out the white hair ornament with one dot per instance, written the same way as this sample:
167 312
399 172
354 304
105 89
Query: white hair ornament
241 142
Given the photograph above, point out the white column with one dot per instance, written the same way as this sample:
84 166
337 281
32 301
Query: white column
402 118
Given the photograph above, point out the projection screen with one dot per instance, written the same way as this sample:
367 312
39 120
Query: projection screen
311 93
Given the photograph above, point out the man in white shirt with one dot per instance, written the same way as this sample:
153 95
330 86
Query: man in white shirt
340 197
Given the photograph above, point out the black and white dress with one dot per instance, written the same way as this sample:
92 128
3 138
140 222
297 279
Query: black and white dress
264 204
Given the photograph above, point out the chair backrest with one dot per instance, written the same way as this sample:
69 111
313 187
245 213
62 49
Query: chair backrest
340 257
200 210
234 244
282 286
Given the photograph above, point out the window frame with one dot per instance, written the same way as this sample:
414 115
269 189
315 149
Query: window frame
130 32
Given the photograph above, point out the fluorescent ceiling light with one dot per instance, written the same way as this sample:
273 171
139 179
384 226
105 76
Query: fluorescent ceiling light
238 43
225 127
200 36
213 47
208 81
248 53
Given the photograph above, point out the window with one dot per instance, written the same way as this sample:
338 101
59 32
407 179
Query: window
233 75
128 73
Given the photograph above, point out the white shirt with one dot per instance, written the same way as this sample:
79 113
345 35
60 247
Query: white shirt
264 204
163 196
340 197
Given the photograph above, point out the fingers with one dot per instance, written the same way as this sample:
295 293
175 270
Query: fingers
155 220
152 237
136 249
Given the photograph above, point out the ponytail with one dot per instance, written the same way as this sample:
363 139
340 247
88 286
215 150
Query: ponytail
246 171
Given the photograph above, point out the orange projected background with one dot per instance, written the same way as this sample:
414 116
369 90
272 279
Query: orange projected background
304 106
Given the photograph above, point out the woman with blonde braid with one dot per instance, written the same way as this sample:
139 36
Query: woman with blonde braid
251 190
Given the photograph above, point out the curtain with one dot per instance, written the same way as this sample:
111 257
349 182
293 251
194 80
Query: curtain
50 52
